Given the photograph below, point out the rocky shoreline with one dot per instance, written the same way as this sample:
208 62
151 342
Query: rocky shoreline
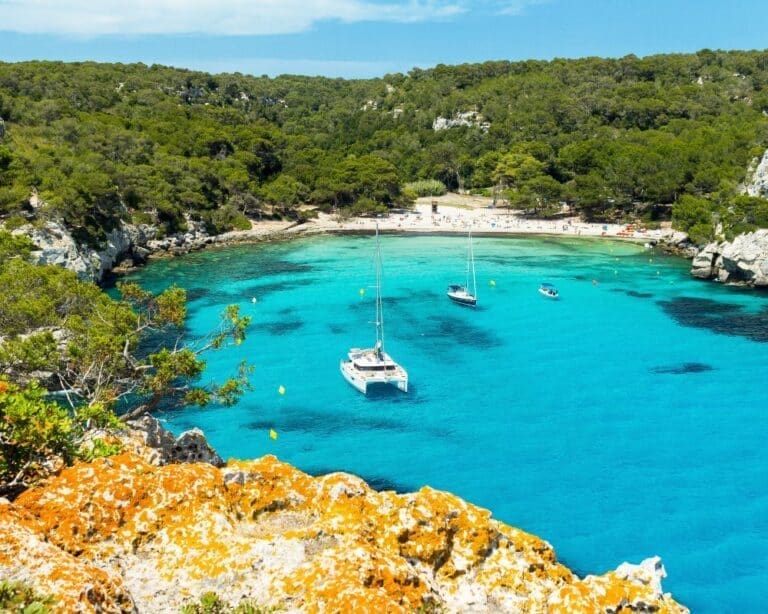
743 261
166 521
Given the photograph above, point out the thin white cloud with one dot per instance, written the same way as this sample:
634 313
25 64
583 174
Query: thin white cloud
219 17
517 7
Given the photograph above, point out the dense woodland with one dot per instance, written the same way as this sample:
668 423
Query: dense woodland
648 138
663 137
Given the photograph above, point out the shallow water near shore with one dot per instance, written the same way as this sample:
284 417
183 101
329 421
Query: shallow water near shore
626 419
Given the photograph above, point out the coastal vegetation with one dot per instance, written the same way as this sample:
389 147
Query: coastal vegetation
101 354
629 138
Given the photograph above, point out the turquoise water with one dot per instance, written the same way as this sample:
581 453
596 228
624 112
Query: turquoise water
625 420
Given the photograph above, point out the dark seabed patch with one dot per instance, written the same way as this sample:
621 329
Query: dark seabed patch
368 302
194 294
633 293
282 327
306 420
262 290
377 482
337 329
493 260
265 268
413 296
440 334
682 369
302 419
722 318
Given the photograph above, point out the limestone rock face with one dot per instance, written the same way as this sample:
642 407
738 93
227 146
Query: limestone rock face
58 247
706 262
758 183
743 261
148 435
122 532
135 242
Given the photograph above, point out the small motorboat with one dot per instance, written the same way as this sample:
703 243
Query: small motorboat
548 290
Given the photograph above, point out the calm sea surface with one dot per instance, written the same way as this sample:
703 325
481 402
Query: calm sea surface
625 420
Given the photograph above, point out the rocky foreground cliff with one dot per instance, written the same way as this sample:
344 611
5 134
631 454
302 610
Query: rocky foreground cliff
128 533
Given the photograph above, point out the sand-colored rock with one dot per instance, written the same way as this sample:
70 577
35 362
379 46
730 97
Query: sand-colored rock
106 535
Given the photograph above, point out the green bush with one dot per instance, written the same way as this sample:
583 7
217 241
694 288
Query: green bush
225 219
701 234
99 449
12 222
426 187
211 603
14 245
19 597
32 429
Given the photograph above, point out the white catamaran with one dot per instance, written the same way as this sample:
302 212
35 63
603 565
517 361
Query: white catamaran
461 294
373 365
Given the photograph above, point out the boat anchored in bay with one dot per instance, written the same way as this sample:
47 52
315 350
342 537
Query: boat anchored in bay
461 294
369 366
548 290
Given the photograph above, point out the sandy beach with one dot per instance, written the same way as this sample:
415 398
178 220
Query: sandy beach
456 214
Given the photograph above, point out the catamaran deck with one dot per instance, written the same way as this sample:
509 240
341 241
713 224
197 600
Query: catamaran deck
371 366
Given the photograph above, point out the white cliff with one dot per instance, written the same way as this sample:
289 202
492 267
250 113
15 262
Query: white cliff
743 261
757 183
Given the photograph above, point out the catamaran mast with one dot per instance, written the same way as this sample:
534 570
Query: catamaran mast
471 262
379 302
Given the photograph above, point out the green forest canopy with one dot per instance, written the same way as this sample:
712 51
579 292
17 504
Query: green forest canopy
106 142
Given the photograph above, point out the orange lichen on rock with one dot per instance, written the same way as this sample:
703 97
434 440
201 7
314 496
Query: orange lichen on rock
264 530
75 584
629 588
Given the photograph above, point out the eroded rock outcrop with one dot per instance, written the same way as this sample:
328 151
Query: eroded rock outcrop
743 261
129 243
56 246
123 532
757 184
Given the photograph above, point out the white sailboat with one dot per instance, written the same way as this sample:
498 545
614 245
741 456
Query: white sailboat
373 365
462 294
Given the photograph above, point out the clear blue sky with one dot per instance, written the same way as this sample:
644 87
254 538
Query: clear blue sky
368 38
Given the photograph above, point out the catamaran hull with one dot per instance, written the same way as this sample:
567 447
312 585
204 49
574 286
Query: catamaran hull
361 383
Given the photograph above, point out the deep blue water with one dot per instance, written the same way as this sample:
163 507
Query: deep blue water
625 420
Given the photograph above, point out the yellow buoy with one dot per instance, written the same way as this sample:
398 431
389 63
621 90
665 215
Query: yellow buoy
493 283
272 434
362 292
253 300
281 389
